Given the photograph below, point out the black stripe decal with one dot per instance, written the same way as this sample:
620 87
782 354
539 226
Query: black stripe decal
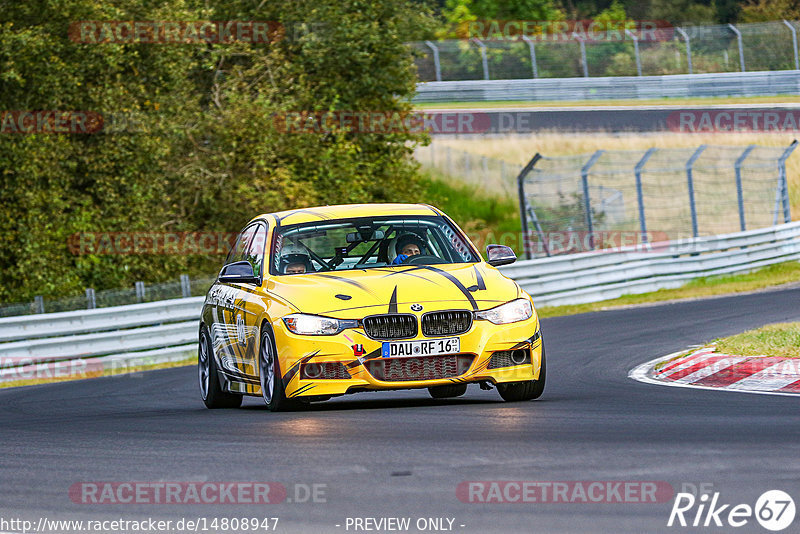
455 282
393 301
479 279
375 354
296 368
302 390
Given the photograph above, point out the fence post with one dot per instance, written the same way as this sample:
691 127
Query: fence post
186 287
787 216
688 47
532 47
794 44
583 58
523 209
639 193
91 302
741 46
690 184
484 59
436 65
38 304
139 291
739 190
635 51
586 200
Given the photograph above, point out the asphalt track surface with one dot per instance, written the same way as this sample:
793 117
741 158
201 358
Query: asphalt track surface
402 454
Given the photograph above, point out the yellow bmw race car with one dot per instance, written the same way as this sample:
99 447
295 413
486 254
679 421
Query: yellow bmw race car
318 302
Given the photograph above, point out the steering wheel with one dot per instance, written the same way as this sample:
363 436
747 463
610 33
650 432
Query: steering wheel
423 259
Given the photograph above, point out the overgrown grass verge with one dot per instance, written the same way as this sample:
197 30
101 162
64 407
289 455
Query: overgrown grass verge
128 369
781 339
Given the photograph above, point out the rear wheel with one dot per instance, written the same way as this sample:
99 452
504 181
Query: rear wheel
210 390
446 392
272 389
527 390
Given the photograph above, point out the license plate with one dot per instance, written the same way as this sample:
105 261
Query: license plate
432 347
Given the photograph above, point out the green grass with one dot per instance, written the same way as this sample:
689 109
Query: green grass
485 218
773 275
189 360
697 101
782 339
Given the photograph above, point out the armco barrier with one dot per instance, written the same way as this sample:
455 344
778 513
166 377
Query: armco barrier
594 276
721 84
168 328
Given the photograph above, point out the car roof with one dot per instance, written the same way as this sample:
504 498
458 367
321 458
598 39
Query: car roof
346 211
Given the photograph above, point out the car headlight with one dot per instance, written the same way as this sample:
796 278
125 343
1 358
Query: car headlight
314 325
510 312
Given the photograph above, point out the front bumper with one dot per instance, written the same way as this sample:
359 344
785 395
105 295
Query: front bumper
358 354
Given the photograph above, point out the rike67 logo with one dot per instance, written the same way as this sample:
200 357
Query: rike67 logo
774 510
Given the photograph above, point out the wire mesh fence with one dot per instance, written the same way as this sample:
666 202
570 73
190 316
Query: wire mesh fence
141 292
573 203
764 46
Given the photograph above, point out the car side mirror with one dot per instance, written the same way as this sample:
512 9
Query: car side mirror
240 272
497 255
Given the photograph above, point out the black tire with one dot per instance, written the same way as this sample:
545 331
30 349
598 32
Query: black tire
210 390
447 392
269 374
527 390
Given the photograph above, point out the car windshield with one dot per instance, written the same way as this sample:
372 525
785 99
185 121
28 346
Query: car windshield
347 244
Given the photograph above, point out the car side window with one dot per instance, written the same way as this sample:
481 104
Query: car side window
238 251
255 249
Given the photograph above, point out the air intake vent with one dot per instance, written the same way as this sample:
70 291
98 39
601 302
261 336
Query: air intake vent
446 323
392 326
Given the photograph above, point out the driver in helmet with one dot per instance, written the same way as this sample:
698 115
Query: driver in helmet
295 260
408 245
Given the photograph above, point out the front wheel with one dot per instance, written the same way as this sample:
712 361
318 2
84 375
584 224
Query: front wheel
212 393
269 368
527 390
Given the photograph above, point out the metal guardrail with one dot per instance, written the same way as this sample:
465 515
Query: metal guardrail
99 320
120 332
594 276
722 84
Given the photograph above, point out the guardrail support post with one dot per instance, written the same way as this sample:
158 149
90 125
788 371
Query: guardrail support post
783 186
688 47
186 287
139 291
794 44
523 210
38 304
635 51
436 65
532 47
587 203
639 193
91 302
690 184
583 58
739 190
484 59
741 46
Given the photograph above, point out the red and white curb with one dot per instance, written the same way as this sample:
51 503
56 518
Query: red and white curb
706 369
